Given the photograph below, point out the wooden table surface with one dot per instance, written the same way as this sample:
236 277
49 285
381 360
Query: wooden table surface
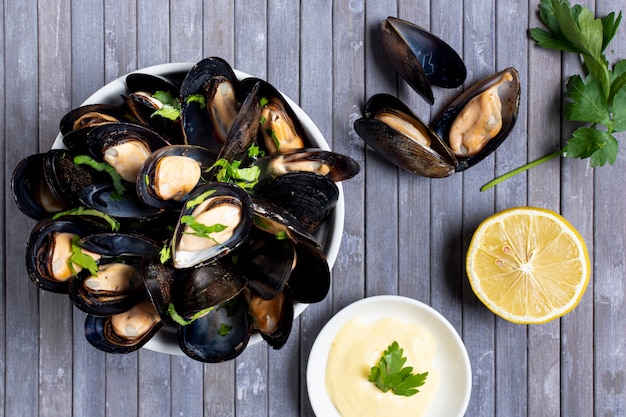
404 234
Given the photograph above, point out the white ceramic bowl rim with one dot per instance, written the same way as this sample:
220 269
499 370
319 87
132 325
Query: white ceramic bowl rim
329 234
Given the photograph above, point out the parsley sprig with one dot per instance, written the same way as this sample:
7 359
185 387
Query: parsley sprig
598 97
390 374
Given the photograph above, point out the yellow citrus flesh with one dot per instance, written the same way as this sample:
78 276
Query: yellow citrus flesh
528 265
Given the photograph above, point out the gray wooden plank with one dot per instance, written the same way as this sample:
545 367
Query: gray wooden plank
121 389
251 368
120 38
316 97
187 386
414 191
348 69
20 133
154 387
186 30
283 71
609 260
153 32
543 91
4 176
219 29
87 76
55 311
478 322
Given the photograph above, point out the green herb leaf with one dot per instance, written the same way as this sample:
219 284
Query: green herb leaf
245 178
196 98
281 235
390 374
263 101
103 167
171 105
83 211
597 97
81 259
224 329
198 200
255 152
202 230
171 311
165 254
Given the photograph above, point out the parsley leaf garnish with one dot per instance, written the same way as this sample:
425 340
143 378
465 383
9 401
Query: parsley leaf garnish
224 329
171 311
83 211
598 97
171 105
389 373
81 259
245 178
202 230
103 167
165 253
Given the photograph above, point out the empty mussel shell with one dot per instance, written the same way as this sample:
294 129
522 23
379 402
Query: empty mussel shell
421 58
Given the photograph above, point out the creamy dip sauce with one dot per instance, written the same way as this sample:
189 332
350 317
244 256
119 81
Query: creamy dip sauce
357 347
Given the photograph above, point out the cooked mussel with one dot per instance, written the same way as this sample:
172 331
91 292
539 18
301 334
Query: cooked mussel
92 115
466 131
420 57
124 332
272 318
216 219
51 247
171 173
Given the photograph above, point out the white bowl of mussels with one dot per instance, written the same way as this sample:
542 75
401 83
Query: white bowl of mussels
207 216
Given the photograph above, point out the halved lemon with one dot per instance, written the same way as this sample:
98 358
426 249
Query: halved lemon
528 265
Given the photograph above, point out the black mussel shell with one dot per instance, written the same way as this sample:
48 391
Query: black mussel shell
105 198
402 148
197 124
309 197
421 58
221 205
273 319
67 179
159 279
112 244
40 247
280 130
31 192
111 334
267 261
151 178
117 287
310 280
335 166
92 115
218 336
507 85
205 287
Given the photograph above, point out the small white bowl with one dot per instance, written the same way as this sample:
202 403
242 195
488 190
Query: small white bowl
329 234
451 359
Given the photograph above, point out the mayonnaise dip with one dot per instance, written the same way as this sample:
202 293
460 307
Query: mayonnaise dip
357 347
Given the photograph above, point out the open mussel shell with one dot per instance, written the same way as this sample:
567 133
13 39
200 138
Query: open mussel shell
215 220
113 244
308 196
280 131
116 287
335 166
65 178
91 115
124 332
273 319
395 132
171 173
49 249
143 103
126 208
31 192
198 88
421 58
159 281
484 114
218 336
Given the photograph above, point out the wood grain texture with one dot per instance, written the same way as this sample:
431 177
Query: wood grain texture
403 234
